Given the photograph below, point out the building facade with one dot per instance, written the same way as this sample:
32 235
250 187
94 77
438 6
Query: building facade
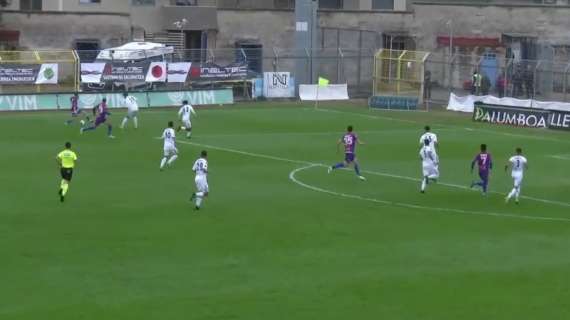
527 29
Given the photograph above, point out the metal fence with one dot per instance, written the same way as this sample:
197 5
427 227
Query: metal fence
443 74
67 73
489 74
339 65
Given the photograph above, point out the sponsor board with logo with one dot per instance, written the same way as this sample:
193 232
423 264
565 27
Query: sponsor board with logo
197 97
278 85
123 72
212 71
14 74
521 117
115 100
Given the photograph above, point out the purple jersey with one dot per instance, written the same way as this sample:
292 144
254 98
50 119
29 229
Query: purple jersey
483 161
349 140
102 108
74 105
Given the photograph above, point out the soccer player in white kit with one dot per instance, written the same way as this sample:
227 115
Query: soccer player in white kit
432 137
200 167
185 113
430 165
132 110
518 165
170 151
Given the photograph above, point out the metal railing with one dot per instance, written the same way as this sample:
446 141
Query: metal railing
525 79
442 74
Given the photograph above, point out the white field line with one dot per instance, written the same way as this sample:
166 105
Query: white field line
321 133
293 178
514 135
559 157
275 158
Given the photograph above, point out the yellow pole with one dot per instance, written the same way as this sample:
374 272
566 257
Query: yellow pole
399 72
38 59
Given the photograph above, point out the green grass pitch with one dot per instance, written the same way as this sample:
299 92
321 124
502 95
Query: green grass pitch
279 238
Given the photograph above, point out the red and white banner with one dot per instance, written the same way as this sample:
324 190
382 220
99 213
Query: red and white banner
178 71
156 72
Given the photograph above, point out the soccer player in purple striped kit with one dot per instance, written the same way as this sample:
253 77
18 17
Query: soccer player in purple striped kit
349 140
485 164
102 114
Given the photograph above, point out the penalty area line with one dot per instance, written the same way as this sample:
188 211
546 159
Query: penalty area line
381 174
294 179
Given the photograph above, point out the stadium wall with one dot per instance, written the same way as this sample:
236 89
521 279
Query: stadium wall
547 23
275 28
30 102
56 30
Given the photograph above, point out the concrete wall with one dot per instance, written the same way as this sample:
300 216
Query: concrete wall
14 5
116 6
60 30
276 28
548 24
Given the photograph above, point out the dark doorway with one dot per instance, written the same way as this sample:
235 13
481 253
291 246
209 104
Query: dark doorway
193 45
87 50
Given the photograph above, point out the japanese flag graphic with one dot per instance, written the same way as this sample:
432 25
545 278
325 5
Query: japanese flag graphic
156 72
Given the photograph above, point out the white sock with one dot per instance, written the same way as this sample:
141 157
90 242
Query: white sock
199 194
433 177
198 201
517 193
512 193
136 121
188 134
125 119
163 162
424 184
172 159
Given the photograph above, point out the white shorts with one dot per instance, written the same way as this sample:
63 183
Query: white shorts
201 184
430 170
170 151
517 179
132 113
187 124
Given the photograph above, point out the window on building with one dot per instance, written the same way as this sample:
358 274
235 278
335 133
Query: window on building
284 4
90 1
395 42
186 2
330 4
143 2
383 4
31 5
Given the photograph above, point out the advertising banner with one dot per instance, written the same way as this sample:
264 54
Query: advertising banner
313 92
29 102
393 102
559 120
278 85
178 71
521 117
123 72
467 103
17 74
92 72
212 71
197 97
